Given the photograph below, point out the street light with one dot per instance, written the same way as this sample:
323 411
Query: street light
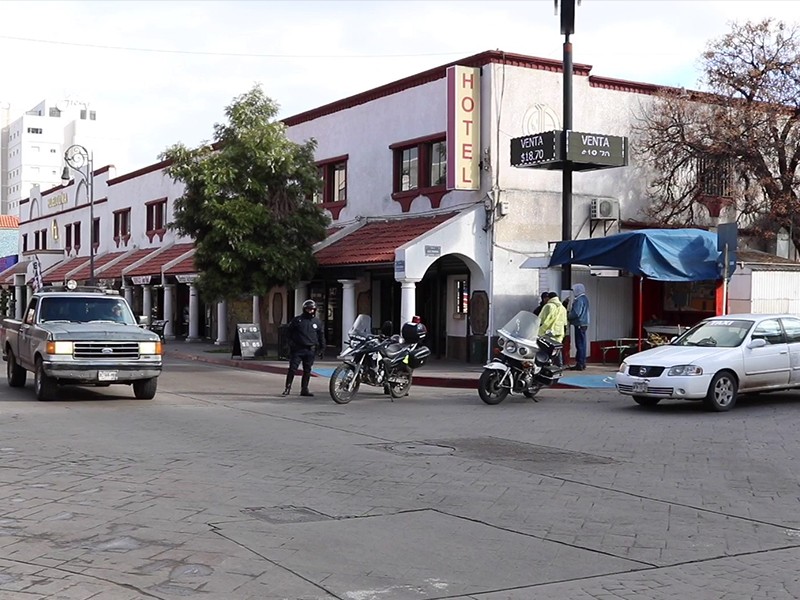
80 160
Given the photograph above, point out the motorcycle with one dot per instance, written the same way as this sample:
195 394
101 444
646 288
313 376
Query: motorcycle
381 360
526 362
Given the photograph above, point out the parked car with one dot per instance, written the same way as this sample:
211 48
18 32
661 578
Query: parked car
716 360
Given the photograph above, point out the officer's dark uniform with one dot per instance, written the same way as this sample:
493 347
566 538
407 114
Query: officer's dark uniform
306 340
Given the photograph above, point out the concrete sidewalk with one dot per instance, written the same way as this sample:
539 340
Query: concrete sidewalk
435 373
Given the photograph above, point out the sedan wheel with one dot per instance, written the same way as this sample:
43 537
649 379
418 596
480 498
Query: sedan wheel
722 392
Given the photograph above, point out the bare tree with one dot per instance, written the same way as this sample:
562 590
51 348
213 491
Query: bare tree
736 144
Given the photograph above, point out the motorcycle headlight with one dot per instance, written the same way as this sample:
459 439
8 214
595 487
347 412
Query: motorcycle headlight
680 370
501 342
510 346
523 351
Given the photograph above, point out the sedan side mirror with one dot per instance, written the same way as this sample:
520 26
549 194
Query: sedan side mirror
757 343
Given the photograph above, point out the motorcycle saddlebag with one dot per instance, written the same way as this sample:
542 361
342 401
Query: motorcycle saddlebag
418 356
549 375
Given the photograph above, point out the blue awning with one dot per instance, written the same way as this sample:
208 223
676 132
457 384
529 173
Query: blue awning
662 254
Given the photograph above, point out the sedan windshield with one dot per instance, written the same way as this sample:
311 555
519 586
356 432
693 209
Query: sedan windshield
716 333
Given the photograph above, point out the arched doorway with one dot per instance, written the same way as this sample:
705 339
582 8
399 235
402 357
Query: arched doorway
442 300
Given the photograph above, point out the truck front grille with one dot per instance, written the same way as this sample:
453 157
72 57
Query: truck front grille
106 350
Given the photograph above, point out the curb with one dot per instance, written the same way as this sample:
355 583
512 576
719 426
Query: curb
420 380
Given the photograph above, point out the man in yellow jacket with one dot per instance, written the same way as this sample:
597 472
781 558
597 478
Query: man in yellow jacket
553 319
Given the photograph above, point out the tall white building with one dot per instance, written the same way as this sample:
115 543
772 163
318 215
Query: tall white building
32 146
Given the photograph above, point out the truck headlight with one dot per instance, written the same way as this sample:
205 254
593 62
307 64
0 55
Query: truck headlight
623 368
149 347
58 347
680 370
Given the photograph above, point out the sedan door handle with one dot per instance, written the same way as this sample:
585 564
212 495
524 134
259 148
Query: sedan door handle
784 352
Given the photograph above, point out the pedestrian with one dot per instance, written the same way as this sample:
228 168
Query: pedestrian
553 321
538 310
306 340
579 319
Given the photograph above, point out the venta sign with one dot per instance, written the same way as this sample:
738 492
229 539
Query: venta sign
579 151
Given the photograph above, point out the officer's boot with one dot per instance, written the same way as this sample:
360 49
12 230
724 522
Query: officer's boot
288 389
304 385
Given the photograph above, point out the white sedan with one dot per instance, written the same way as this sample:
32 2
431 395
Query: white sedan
717 359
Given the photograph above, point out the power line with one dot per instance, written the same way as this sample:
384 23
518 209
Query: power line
232 54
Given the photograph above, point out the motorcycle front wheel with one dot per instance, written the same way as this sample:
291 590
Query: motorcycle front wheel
400 382
489 388
339 385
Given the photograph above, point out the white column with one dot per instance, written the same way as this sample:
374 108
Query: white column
348 307
19 295
408 300
222 323
169 311
127 291
256 310
194 314
300 296
147 302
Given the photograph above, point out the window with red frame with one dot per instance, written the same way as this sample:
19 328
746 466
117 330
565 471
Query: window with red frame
96 232
122 226
156 218
334 181
333 194
68 238
420 164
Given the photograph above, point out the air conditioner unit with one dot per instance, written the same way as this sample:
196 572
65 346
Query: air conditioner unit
604 210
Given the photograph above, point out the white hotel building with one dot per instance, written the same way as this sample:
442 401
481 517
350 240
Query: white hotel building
403 241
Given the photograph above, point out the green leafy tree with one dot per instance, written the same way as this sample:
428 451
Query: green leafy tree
247 202
738 142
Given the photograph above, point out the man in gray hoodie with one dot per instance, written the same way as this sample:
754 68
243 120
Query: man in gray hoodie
579 319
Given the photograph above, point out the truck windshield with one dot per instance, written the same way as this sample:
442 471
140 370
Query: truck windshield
84 310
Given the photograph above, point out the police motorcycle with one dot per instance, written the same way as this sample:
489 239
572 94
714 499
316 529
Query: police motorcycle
525 362
382 360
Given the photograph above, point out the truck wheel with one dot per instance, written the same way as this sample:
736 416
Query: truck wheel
45 387
145 389
16 374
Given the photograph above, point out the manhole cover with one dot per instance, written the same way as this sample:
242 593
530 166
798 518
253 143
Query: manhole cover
284 514
415 448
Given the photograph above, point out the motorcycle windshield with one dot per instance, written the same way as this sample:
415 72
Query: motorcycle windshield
523 328
362 326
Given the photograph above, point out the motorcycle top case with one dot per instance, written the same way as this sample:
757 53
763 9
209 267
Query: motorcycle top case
413 332
418 356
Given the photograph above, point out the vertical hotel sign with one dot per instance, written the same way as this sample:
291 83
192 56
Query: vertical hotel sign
463 128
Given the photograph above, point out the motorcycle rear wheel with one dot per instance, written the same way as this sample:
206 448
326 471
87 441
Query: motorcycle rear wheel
489 388
340 382
400 382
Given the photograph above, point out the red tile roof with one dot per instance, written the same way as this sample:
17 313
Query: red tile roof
7 276
115 270
58 272
9 222
376 241
99 262
153 264
183 267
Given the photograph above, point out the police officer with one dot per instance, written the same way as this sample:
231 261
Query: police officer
306 340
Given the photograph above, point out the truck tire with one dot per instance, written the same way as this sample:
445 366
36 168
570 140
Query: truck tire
16 374
45 387
145 389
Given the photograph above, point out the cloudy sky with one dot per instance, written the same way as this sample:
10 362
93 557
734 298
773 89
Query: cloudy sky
160 72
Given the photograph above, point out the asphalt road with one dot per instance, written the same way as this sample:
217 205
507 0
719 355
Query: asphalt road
221 489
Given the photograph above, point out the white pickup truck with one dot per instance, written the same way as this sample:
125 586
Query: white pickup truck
80 336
